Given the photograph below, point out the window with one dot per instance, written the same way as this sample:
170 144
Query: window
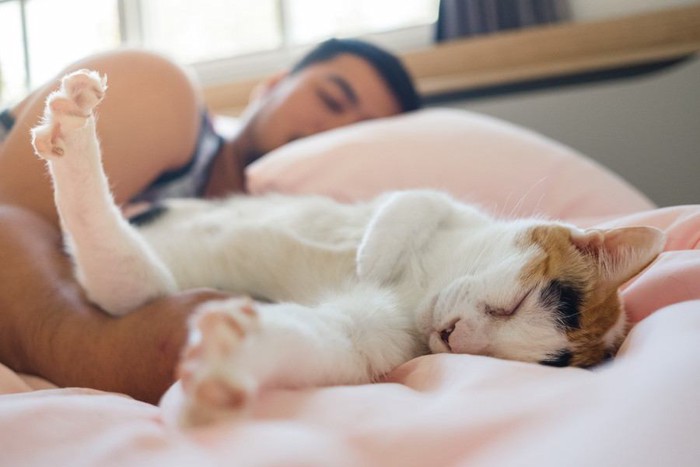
210 29
309 21
40 37
222 39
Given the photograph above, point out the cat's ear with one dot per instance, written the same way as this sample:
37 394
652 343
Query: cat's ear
621 253
401 227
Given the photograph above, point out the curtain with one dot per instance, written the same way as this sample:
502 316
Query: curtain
460 18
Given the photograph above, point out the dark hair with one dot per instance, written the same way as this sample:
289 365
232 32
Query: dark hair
388 65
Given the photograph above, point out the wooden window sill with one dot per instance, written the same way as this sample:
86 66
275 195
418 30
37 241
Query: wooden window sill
530 54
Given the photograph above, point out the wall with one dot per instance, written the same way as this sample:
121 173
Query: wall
647 129
585 10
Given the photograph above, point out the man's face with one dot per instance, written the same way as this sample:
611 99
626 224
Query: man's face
325 95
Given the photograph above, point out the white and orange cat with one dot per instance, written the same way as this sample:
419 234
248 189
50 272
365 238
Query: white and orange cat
344 293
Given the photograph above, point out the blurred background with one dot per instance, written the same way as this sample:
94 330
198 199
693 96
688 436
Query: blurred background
645 129
221 38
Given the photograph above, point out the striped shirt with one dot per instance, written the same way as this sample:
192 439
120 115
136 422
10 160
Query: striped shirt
184 182
191 179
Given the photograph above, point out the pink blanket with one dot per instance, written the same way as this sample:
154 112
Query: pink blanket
641 409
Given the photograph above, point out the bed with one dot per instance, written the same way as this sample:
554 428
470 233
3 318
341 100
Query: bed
643 408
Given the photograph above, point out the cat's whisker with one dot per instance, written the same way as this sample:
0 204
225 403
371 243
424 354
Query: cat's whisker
522 197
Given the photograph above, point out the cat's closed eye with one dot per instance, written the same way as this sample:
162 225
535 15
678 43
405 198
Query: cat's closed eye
508 311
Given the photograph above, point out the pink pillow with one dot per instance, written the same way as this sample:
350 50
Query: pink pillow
504 168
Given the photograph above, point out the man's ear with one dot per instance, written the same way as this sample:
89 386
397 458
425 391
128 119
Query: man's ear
262 89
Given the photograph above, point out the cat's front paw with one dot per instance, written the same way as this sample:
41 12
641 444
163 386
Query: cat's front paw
66 110
215 386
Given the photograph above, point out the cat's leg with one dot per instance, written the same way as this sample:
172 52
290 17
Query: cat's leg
401 228
113 263
214 386
236 348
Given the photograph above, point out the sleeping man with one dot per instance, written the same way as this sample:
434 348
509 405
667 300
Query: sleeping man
156 143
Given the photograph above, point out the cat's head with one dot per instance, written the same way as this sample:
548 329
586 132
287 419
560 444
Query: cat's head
551 298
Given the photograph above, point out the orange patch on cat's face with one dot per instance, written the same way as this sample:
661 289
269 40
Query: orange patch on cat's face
600 306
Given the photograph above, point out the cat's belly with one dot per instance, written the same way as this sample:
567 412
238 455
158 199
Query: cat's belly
276 258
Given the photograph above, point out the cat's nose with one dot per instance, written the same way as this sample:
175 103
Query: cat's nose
466 336
445 335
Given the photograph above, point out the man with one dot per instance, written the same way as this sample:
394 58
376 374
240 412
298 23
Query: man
150 124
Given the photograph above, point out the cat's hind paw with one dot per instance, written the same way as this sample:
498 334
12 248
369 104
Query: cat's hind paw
66 110
215 386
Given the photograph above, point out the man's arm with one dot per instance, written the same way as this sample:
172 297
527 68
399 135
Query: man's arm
48 328
147 124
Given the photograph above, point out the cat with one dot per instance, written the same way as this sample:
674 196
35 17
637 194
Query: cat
344 293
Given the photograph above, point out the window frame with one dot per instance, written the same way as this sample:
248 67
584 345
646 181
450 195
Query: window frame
235 67
25 39
245 66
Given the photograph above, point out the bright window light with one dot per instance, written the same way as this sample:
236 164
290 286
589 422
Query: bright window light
13 78
61 32
192 31
313 20
221 38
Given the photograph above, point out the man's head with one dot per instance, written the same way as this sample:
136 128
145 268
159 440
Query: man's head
341 81
386 64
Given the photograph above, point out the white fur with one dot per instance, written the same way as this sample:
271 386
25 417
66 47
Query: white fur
348 291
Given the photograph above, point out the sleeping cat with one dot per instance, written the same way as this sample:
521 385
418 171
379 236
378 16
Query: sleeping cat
343 293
